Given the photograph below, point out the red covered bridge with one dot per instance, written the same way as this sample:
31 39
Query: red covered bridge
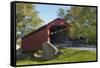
54 32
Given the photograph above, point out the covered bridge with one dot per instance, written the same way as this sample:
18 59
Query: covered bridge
55 32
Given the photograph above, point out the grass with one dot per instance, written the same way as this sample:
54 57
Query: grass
70 55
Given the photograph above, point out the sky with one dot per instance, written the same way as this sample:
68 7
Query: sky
49 12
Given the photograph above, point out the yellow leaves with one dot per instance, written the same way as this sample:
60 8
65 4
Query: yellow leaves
20 24
72 31
24 9
75 11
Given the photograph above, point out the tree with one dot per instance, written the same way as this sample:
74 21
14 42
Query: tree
83 23
27 18
61 13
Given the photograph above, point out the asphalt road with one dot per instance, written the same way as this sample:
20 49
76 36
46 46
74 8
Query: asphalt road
83 48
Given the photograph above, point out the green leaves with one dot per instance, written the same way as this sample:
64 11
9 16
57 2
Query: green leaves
61 13
27 18
82 21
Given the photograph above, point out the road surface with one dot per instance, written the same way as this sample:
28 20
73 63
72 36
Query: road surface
83 48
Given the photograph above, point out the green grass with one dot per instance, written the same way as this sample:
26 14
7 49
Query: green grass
70 55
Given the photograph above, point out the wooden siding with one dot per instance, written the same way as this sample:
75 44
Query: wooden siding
34 42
